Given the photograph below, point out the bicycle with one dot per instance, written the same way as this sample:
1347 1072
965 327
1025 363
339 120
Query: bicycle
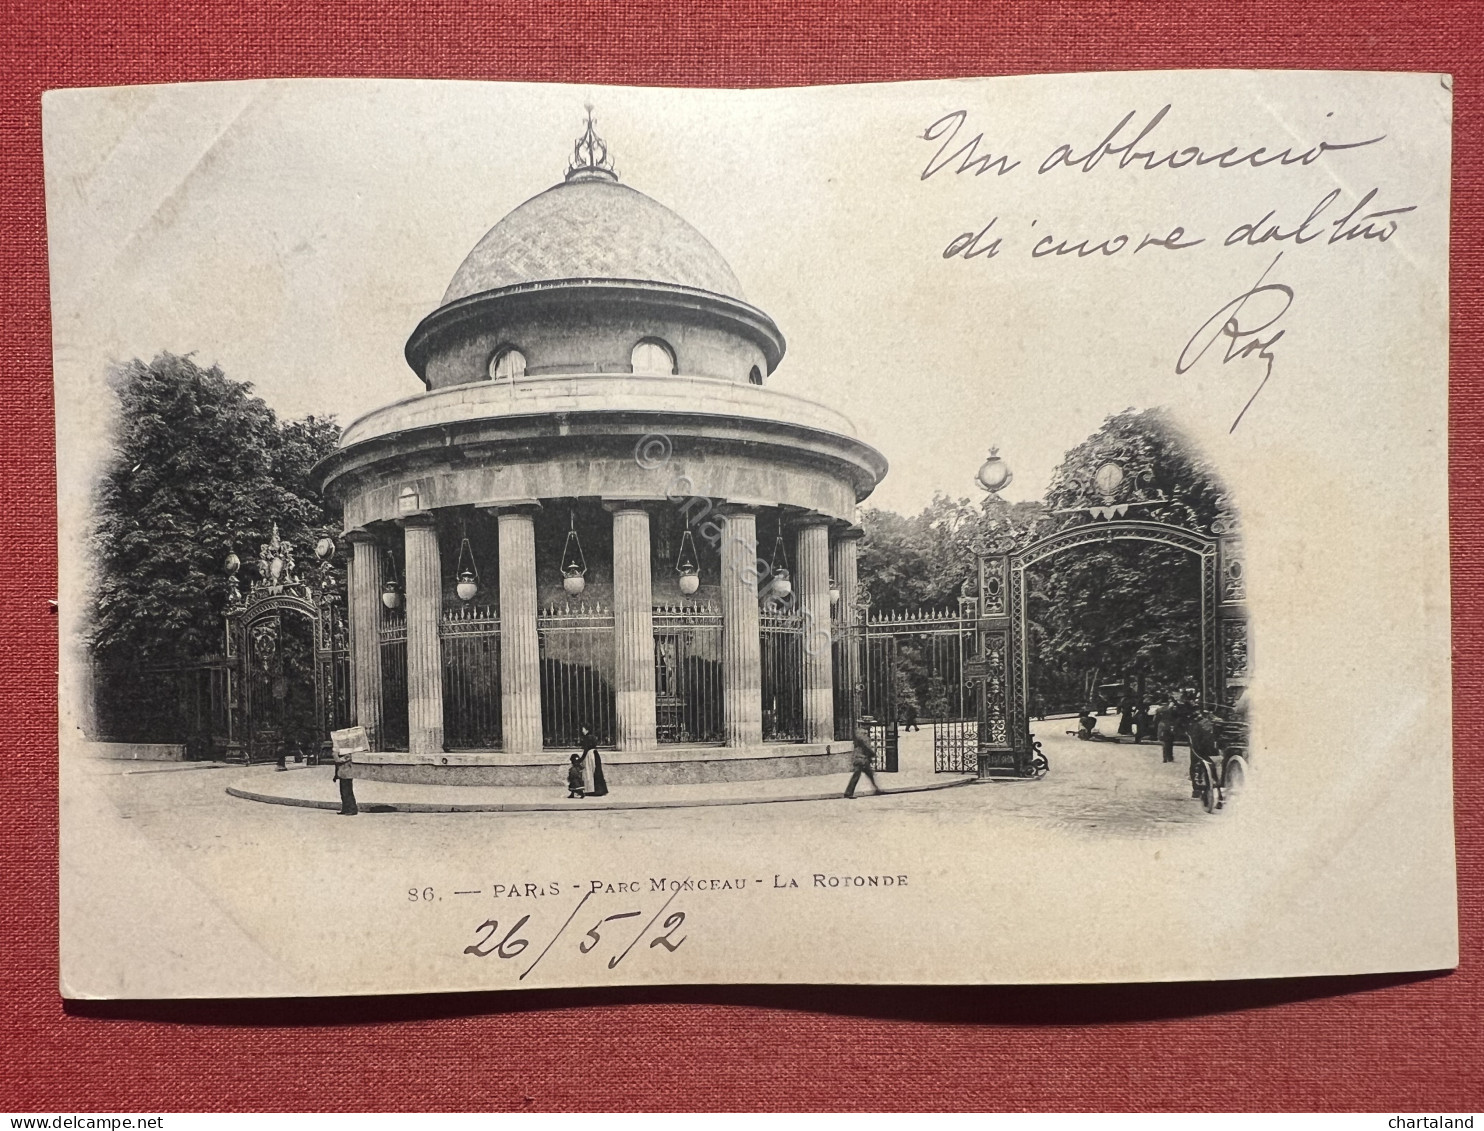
1218 785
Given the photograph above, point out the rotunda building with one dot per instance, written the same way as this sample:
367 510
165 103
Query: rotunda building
600 514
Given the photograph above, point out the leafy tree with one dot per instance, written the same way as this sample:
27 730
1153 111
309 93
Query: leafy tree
1170 480
200 467
1127 612
923 561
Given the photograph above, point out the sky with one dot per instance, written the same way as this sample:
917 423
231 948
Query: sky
296 232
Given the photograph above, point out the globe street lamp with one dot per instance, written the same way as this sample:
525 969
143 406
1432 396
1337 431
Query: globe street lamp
994 473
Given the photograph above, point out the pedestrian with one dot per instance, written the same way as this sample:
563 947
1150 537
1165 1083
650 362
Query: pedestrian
861 757
575 783
594 784
1126 715
1087 724
911 717
1165 728
348 806
1143 723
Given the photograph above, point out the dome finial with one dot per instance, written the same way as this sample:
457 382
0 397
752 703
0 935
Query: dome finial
590 159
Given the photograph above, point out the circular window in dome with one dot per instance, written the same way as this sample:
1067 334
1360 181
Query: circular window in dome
653 358
508 364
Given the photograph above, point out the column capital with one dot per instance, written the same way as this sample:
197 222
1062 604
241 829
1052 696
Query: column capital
849 532
806 519
511 506
614 506
359 534
418 518
728 509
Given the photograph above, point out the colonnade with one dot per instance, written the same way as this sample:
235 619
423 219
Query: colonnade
819 558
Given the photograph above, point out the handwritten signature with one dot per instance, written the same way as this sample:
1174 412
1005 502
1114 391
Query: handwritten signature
1250 331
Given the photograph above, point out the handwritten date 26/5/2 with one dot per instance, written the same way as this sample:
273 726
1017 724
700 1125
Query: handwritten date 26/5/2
611 932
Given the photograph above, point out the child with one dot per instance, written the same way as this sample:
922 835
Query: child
575 784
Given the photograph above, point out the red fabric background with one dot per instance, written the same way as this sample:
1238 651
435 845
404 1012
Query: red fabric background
1406 1042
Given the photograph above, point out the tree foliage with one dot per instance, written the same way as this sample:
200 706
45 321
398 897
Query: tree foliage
201 467
923 561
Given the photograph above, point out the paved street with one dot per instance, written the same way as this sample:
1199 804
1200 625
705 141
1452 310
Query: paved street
1094 788
1116 789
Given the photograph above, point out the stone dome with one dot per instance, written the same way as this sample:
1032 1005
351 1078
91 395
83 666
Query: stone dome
592 228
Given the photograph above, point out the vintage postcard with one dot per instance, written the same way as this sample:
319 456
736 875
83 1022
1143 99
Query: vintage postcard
944 532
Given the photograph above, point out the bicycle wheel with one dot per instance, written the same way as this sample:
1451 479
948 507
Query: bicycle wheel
1236 776
1211 795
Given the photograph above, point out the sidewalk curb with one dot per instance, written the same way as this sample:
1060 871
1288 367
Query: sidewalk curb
524 807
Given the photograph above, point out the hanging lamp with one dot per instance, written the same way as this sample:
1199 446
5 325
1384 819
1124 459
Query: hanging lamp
687 566
466 578
391 588
574 565
780 587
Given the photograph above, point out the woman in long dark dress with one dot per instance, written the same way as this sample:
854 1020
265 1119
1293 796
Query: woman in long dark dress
592 765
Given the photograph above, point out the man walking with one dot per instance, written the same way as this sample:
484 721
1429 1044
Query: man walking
348 806
861 757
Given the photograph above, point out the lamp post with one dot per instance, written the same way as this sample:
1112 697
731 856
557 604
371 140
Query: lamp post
232 565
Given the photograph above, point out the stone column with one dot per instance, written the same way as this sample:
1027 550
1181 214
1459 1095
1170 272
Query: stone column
741 654
520 647
364 595
424 656
633 627
847 615
813 555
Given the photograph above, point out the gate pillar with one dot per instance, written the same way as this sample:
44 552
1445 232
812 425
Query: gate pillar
999 667
844 568
1232 645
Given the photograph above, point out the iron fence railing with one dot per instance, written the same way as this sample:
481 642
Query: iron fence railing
687 673
782 647
576 673
469 644
393 682
932 645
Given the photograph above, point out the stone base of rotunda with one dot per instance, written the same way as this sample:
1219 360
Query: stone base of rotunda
665 765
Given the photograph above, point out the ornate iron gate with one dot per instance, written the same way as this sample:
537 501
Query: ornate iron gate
287 675
879 699
976 662
1001 660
